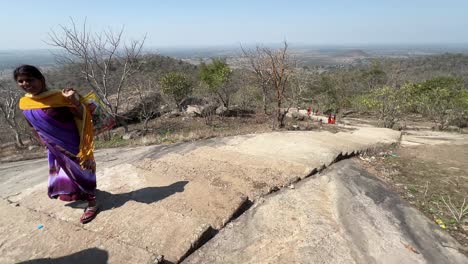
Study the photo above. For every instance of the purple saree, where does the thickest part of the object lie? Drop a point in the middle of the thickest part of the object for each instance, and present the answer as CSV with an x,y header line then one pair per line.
x,y
66,178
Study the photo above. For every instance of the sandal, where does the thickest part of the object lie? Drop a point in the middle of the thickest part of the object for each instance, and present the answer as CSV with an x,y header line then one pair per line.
x,y
89,214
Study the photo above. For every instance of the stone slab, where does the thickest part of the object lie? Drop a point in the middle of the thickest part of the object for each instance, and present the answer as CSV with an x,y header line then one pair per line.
x,y
341,216
58,241
165,199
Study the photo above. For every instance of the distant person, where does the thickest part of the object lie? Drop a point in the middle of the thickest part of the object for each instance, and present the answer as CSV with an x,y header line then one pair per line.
x,y
333,119
308,111
63,124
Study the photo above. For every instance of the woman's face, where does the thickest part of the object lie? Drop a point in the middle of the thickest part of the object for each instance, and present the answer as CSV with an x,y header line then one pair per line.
x,y
30,84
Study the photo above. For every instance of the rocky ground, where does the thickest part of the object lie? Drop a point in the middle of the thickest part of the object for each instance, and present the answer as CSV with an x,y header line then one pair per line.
x,y
342,215
283,197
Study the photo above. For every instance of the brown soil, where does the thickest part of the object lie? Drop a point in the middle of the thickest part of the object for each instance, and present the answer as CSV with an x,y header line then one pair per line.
x,y
426,176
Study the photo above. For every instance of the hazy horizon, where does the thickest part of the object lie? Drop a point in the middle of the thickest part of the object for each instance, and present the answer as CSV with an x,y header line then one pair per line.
x,y
209,23
463,46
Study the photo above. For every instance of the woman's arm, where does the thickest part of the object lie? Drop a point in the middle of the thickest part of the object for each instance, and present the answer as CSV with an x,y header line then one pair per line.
x,y
74,98
77,110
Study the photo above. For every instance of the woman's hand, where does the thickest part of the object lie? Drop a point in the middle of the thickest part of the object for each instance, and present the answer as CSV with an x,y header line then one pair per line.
x,y
71,95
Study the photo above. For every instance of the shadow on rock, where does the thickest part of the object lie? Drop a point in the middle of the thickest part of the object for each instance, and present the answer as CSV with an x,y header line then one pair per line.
x,y
90,255
146,195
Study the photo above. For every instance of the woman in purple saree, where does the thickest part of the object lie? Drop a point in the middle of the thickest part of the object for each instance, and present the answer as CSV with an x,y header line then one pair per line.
x,y
62,123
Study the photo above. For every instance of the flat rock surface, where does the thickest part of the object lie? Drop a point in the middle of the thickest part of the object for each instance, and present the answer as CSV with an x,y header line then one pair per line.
x,y
343,215
28,235
428,137
162,200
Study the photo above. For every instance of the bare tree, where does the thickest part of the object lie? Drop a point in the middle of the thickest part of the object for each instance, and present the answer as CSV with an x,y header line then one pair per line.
x,y
258,63
149,101
273,69
246,93
281,66
302,83
9,97
105,61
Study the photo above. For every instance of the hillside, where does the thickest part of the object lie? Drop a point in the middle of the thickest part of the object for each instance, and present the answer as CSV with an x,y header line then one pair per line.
x,y
420,68
153,64
9,59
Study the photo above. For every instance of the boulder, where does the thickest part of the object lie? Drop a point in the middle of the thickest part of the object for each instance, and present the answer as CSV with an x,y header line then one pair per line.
x,y
194,110
209,110
221,110
172,114
292,111
132,134
193,101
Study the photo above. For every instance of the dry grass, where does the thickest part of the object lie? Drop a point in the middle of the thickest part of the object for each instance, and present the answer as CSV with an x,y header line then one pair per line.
x,y
181,129
431,178
177,129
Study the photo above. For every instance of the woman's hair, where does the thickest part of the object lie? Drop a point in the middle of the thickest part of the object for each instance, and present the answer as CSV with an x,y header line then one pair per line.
x,y
29,71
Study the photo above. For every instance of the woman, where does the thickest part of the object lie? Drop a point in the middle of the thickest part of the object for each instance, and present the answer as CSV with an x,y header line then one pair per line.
x,y
63,124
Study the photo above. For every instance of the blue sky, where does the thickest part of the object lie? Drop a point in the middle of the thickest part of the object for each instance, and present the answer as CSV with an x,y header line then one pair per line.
x,y
25,24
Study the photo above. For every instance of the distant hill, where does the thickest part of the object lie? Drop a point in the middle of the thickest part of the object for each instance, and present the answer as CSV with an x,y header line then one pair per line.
x,y
10,59
307,55
421,68
153,65
354,53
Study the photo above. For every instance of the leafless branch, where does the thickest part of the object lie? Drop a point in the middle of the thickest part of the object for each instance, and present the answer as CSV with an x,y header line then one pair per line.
x,y
9,97
105,61
457,214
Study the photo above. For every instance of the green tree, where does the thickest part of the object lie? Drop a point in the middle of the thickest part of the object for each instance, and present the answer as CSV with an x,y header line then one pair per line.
x,y
332,92
374,77
461,109
389,102
442,99
177,86
216,76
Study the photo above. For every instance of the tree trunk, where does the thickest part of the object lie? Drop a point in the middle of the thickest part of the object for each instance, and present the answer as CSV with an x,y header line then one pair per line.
x,y
19,142
145,125
123,122
280,116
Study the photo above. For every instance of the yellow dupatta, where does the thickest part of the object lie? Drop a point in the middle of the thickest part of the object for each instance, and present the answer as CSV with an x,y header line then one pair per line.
x,y
53,98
